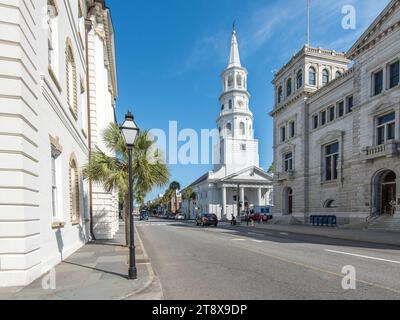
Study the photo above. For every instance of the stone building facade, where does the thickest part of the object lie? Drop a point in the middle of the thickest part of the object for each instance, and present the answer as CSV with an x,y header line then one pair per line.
x,y
49,71
337,129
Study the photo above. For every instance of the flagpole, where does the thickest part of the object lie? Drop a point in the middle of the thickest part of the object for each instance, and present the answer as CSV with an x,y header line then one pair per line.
x,y
308,22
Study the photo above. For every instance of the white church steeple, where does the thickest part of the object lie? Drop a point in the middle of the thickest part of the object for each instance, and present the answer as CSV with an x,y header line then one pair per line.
x,y
234,57
238,149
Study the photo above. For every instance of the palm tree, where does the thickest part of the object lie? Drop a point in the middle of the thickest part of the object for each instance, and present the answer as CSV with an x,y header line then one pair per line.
x,y
112,172
175,186
188,195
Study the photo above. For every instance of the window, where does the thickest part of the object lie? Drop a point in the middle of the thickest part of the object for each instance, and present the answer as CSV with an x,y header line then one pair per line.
x,y
71,80
242,128
312,79
222,107
323,117
81,21
340,107
338,74
52,37
74,191
239,80
385,129
315,121
243,147
292,129
229,128
331,116
288,162
325,77
299,79
230,81
378,82
83,107
55,154
394,74
331,161
280,94
283,133
289,87
350,104
230,104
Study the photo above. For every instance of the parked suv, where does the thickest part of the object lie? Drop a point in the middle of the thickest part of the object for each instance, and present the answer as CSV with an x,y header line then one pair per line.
x,y
206,219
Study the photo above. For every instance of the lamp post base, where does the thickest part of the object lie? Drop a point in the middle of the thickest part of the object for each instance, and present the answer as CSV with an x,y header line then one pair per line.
x,y
132,273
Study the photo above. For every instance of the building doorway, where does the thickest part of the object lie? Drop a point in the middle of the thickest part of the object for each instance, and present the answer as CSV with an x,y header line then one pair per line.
x,y
288,201
384,193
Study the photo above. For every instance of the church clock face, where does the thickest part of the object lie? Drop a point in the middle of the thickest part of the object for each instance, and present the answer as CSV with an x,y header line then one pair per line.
x,y
241,103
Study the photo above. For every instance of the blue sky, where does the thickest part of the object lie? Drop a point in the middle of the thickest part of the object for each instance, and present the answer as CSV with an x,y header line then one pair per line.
x,y
170,54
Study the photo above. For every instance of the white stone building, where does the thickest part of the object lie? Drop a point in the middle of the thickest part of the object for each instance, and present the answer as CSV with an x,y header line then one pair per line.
x,y
57,92
337,129
237,177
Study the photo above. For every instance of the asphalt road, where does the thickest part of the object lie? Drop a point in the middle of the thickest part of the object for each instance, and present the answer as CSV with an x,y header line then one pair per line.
x,y
198,263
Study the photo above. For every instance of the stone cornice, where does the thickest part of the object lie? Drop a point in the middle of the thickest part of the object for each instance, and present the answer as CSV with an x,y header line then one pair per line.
x,y
289,102
306,50
369,38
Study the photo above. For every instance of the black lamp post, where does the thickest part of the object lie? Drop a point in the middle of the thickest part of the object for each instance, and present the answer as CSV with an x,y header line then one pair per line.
x,y
130,132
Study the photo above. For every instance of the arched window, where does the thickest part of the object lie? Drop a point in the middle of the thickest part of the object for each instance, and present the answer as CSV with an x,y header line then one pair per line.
x,y
338,74
242,128
289,87
223,107
71,79
229,128
74,191
280,94
239,80
230,81
329,204
230,104
52,38
325,77
312,76
299,79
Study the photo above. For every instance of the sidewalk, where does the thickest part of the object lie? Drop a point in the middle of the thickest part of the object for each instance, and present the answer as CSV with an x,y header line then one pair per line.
x,y
364,235
98,271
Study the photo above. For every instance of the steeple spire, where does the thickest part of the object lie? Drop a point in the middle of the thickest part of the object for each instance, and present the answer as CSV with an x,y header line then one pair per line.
x,y
234,57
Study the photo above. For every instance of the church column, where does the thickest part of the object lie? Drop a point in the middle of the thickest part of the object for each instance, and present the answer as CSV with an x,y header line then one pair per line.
x,y
242,197
259,197
224,213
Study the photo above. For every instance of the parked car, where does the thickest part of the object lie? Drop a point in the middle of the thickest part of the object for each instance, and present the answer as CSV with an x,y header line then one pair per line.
x,y
207,219
180,216
144,215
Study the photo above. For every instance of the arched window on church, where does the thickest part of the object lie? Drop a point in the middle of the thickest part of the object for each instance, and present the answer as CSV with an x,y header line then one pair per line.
x,y
230,104
239,80
229,128
338,74
230,81
242,128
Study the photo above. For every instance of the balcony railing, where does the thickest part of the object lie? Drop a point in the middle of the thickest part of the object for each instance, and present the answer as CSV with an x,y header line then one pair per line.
x,y
281,176
390,149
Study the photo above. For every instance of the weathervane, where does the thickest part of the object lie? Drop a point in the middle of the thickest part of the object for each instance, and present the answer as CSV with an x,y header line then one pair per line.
x,y
234,25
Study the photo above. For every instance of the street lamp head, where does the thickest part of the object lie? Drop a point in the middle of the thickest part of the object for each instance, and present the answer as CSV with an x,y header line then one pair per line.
x,y
129,130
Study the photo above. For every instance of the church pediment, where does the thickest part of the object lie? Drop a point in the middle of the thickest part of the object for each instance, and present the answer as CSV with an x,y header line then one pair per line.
x,y
250,174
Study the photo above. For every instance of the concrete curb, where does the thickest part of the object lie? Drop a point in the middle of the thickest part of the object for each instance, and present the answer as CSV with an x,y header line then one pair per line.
x,y
153,279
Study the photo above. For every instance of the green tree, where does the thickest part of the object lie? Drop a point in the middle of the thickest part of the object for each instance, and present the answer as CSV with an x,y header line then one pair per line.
x,y
272,168
175,186
112,172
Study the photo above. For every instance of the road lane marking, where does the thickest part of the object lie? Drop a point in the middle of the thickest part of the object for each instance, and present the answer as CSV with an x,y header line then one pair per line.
x,y
309,267
255,234
361,256
238,239
284,234
258,241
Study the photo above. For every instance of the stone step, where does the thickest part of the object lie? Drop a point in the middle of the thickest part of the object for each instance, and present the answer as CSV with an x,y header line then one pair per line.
x,y
387,223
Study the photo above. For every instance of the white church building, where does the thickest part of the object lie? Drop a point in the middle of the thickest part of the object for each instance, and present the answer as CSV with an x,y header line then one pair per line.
x,y
237,179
